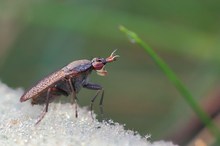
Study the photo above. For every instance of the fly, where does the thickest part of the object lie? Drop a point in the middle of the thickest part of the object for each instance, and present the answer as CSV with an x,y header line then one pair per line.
x,y
68,81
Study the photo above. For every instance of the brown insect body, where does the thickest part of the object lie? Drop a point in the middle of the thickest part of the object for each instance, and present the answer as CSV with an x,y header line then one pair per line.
x,y
66,81
77,71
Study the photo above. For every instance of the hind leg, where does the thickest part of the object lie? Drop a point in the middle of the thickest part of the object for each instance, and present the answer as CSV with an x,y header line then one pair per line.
x,y
45,110
52,94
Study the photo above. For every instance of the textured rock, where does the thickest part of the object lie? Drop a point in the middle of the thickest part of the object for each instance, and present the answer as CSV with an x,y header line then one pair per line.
x,y
59,127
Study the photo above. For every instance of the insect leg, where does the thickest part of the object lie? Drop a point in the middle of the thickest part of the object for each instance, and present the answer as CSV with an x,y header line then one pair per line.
x,y
101,103
45,110
92,101
74,98
99,89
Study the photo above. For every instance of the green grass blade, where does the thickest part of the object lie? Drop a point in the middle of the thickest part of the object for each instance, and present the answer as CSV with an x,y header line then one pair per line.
x,y
176,82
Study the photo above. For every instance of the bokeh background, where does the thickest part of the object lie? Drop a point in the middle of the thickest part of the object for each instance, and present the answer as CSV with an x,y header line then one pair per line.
x,y
38,37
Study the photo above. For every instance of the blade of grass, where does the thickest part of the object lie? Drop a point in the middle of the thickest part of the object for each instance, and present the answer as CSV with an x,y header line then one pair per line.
x,y
176,82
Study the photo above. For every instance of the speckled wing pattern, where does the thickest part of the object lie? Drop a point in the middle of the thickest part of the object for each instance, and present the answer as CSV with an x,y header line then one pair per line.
x,y
43,85
70,70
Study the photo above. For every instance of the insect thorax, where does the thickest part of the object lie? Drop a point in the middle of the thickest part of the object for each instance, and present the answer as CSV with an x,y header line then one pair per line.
x,y
78,66
80,80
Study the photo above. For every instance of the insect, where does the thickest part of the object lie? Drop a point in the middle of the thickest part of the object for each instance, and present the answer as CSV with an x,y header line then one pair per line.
x,y
68,81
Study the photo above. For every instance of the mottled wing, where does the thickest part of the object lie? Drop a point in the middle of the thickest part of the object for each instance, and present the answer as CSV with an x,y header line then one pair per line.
x,y
43,85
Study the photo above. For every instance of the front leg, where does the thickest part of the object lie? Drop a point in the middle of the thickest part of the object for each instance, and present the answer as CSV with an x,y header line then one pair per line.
x,y
99,89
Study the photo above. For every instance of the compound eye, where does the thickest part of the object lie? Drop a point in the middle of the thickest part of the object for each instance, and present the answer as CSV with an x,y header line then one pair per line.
x,y
99,60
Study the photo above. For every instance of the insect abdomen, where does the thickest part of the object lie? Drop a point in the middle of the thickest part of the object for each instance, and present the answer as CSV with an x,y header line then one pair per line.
x,y
55,92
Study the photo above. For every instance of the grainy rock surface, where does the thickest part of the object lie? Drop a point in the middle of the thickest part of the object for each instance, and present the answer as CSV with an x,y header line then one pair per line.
x,y
59,127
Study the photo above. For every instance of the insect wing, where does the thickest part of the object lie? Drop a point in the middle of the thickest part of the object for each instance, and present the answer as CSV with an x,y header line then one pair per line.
x,y
43,85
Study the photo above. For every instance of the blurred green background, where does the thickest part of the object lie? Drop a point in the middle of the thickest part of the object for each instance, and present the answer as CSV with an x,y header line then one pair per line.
x,y
38,37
